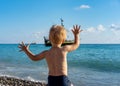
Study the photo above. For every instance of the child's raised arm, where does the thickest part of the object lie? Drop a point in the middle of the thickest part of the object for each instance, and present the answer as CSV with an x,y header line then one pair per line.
x,y
33,57
76,31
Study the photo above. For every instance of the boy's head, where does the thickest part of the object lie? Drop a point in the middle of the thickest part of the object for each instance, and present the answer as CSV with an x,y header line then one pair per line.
x,y
57,34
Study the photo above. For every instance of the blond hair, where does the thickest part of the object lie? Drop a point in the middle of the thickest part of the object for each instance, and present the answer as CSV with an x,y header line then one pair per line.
x,y
57,34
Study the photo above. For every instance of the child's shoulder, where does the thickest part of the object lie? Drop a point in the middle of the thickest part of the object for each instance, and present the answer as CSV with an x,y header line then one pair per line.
x,y
67,48
64,48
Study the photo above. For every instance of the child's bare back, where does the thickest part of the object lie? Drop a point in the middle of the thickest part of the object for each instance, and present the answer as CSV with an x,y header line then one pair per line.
x,y
57,61
56,56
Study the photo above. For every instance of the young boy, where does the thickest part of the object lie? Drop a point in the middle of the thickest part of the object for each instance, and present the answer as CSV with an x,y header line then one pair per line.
x,y
56,56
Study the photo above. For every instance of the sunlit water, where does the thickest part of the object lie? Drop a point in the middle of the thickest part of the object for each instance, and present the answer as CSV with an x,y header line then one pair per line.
x,y
89,65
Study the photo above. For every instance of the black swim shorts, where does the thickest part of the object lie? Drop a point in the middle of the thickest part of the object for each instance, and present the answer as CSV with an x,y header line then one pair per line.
x,y
59,81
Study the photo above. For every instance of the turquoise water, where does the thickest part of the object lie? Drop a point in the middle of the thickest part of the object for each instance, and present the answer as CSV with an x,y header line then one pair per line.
x,y
89,65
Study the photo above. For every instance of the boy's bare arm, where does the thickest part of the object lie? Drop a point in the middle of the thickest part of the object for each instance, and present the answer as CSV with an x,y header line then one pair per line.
x,y
32,56
76,31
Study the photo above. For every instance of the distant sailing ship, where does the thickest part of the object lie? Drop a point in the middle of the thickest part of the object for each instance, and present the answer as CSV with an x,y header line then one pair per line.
x,y
67,42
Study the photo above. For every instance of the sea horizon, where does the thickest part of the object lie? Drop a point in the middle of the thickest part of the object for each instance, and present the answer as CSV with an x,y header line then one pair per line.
x,y
80,44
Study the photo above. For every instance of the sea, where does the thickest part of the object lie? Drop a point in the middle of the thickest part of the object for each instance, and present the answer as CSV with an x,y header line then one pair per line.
x,y
89,65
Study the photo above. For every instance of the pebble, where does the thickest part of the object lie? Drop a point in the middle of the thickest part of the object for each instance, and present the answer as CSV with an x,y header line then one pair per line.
x,y
11,81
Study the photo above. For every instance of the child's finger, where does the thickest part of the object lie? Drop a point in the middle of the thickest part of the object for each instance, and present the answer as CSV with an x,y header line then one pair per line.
x,y
20,50
72,30
19,44
76,26
23,43
28,45
79,26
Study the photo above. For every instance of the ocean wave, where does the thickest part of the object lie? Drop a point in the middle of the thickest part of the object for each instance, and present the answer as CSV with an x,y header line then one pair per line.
x,y
98,65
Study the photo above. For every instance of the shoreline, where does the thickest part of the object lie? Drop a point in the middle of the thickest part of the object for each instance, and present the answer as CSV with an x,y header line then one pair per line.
x,y
13,81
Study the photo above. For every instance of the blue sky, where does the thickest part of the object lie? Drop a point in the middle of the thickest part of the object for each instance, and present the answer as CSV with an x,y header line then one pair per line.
x,y
30,20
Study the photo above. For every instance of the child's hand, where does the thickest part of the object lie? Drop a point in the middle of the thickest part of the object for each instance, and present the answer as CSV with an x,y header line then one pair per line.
x,y
76,30
23,47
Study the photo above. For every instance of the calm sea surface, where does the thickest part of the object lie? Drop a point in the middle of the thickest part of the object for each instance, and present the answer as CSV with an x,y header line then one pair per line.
x,y
89,65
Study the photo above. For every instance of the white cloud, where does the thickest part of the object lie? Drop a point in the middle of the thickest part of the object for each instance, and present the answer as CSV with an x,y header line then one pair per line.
x,y
91,29
39,36
100,28
101,34
115,27
112,26
83,7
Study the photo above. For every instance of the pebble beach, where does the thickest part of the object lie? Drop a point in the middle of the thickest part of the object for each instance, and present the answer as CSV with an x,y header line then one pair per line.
x,y
12,81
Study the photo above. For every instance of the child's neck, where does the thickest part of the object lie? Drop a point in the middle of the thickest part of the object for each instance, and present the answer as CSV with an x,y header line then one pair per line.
x,y
56,45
